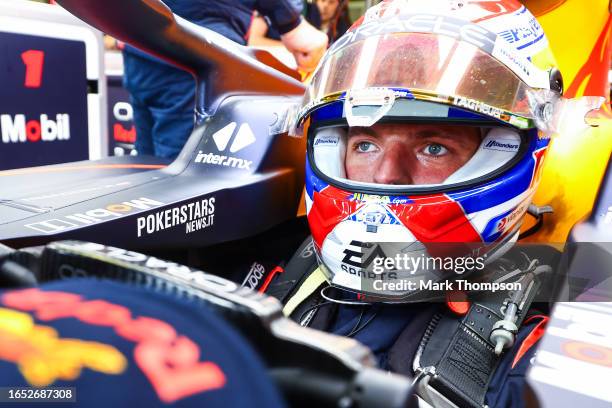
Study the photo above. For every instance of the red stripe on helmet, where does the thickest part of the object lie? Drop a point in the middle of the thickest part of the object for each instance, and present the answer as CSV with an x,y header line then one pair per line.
x,y
436,218
330,207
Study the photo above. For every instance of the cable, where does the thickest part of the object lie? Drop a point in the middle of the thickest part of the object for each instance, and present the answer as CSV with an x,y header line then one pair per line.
x,y
308,310
354,332
354,329
357,327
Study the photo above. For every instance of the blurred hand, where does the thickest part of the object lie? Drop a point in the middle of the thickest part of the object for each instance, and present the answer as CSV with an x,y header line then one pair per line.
x,y
307,44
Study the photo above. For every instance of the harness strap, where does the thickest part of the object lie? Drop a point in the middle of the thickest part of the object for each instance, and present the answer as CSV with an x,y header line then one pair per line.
x,y
457,354
285,284
468,361
307,288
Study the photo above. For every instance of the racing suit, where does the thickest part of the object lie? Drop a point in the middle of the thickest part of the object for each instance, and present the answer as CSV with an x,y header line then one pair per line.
x,y
163,96
396,333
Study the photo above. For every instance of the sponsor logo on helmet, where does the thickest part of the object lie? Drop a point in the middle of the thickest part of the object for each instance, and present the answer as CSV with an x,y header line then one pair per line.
x,y
373,216
508,221
422,23
158,344
370,197
43,357
17,130
502,145
379,198
111,211
329,141
521,66
359,260
524,34
514,60
477,106
519,122
400,200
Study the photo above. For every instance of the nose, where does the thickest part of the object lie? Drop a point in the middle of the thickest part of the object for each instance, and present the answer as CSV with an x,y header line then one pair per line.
x,y
392,168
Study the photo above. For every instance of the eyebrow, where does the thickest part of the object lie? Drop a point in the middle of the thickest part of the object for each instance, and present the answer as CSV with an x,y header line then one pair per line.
x,y
437,133
362,129
422,134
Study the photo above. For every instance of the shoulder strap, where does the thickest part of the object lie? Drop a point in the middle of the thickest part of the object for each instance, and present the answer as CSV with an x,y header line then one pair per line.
x,y
306,289
297,288
456,358
462,363
457,353
299,267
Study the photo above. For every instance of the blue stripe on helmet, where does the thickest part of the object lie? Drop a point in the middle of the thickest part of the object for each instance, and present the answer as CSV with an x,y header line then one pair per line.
x,y
330,111
464,114
313,183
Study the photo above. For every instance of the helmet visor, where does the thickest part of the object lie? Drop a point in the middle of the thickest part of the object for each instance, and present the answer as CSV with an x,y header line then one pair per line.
x,y
434,67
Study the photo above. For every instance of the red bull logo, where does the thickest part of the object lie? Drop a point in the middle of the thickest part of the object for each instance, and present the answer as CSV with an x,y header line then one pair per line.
x,y
123,112
169,360
43,357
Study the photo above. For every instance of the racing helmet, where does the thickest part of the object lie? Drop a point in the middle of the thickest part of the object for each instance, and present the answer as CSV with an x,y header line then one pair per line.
x,y
477,73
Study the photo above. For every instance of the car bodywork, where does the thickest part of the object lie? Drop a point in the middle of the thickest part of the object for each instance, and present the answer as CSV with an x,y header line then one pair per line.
x,y
238,168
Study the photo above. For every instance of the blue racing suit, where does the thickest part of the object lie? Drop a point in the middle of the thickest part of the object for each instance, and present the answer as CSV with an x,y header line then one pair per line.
x,y
386,329
163,96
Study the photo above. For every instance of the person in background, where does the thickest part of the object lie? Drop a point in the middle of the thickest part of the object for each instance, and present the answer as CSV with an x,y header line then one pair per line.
x,y
163,96
262,33
329,16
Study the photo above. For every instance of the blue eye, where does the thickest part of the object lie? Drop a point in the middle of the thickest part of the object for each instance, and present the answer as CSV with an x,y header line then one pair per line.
x,y
435,149
365,147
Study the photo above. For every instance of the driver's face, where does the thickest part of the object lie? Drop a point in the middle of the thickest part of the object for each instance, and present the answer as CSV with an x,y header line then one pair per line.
x,y
407,153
